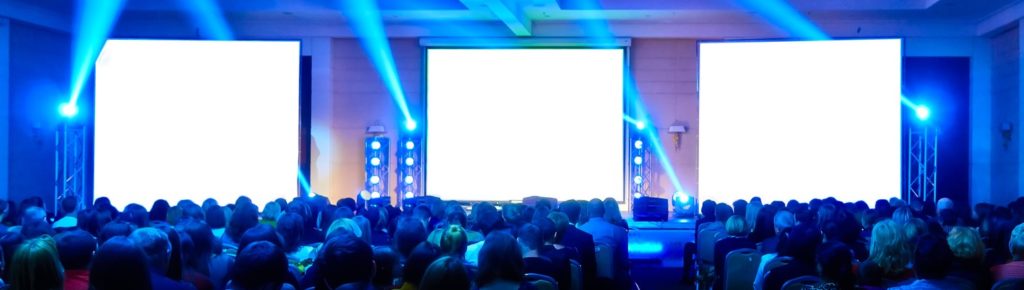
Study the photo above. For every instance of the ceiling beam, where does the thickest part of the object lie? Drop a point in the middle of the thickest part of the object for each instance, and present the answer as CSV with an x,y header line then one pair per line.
x,y
28,13
1004,17
509,12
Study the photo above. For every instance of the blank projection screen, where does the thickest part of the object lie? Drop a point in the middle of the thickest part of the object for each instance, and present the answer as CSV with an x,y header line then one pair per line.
x,y
504,124
800,120
196,119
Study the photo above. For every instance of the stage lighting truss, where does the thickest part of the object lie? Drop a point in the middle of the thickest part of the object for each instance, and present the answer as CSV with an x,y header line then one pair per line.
x,y
639,161
376,164
408,167
70,173
923,163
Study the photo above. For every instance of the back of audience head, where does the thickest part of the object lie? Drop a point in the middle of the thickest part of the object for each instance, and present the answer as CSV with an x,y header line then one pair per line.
x,y
364,228
260,265
560,223
447,273
500,260
835,264
932,257
722,212
243,218
201,244
261,232
68,205
966,244
1017,243
156,245
36,265
487,217
345,259
454,241
740,207
75,249
409,233
889,247
595,208
215,217
571,210
114,229
119,265
707,208
611,211
530,238
801,238
34,223
289,226
419,259
136,215
158,212
736,226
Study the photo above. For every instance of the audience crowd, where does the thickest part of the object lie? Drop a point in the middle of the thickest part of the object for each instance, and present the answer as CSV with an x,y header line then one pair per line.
x,y
309,243
830,244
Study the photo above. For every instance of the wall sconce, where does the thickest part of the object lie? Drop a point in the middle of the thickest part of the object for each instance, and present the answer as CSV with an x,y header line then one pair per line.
x,y
677,130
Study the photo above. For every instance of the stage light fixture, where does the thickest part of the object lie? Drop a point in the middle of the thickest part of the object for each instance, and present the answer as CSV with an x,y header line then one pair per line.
x,y
408,180
409,145
409,161
374,161
364,194
640,125
410,125
375,195
68,110
638,160
637,195
375,145
408,194
638,179
638,144
922,112
374,179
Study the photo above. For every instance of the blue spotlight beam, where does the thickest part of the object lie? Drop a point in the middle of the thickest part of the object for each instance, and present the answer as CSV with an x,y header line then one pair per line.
x,y
640,117
785,17
208,15
304,182
93,22
364,18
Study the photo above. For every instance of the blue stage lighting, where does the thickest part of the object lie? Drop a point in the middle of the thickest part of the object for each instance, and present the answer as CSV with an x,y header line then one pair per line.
x,y
375,194
408,180
783,16
681,198
92,25
638,144
408,194
374,179
374,161
638,179
409,145
304,182
410,125
637,195
409,161
68,110
375,145
640,125
638,160
364,194
210,18
645,248
922,112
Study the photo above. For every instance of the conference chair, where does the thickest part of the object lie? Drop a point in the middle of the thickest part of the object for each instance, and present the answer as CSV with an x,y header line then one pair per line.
x,y
706,245
575,275
800,283
540,281
740,268
605,261
1009,284
775,263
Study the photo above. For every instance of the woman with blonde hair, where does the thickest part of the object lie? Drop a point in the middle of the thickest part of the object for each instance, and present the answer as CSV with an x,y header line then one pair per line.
x,y
889,256
36,266
968,256
454,241
612,214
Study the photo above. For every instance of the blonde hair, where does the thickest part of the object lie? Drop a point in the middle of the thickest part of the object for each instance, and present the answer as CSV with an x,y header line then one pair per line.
x,y
966,243
1017,242
889,247
346,225
736,226
36,265
454,241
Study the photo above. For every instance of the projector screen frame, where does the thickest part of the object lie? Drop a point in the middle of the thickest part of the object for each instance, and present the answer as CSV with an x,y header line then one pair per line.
x,y
443,43
698,200
86,118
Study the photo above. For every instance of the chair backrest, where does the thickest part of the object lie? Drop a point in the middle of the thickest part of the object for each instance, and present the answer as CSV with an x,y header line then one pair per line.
x,y
800,283
542,282
605,256
575,275
1009,284
706,244
740,268
775,263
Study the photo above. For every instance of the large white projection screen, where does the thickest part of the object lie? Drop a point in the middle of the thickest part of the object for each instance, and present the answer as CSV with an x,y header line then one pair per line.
x,y
800,120
504,124
196,119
